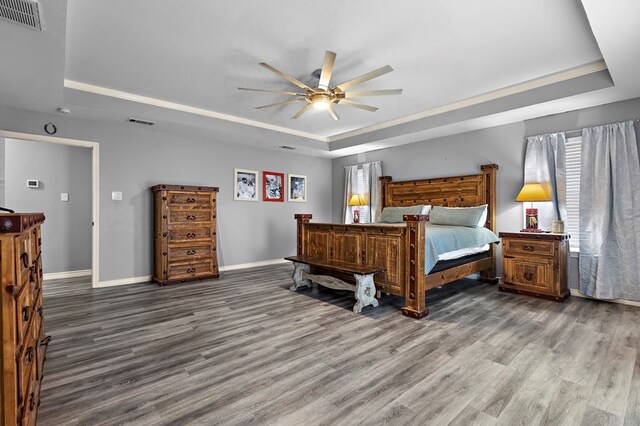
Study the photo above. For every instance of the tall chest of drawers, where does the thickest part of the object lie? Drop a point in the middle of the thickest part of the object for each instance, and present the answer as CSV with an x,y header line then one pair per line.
x,y
24,343
184,233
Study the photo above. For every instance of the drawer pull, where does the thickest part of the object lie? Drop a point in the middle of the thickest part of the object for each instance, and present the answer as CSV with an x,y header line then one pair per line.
x,y
28,357
32,401
191,252
191,235
191,200
191,217
191,270
528,248
25,313
45,341
509,257
24,258
40,311
528,276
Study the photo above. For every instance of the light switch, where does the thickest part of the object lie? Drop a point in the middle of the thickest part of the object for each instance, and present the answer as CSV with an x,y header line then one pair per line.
x,y
64,196
116,196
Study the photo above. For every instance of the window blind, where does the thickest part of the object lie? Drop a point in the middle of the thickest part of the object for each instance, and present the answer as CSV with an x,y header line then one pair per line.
x,y
573,146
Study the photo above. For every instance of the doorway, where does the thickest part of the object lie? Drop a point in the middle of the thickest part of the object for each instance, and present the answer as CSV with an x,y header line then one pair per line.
x,y
95,175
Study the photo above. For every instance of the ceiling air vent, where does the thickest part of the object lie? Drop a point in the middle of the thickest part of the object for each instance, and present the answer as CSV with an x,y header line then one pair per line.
x,y
139,121
21,12
286,147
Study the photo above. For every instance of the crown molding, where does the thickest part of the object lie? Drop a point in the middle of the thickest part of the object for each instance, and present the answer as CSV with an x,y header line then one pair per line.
x,y
569,74
119,94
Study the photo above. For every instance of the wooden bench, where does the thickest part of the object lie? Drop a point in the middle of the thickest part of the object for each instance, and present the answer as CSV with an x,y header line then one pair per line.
x,y
365,289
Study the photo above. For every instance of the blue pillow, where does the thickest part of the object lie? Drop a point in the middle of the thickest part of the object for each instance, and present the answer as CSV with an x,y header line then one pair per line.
x,y
394,214
457,216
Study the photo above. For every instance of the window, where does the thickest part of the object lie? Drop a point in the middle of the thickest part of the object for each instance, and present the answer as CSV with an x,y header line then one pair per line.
x,y
573,146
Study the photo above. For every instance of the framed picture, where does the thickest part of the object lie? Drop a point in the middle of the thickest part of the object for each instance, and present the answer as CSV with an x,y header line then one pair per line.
x,y
245,185
272,186
297,188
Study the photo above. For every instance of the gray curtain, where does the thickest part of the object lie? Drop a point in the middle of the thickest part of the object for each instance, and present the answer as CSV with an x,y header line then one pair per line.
x,y
545,162
371,173
610,212
350,187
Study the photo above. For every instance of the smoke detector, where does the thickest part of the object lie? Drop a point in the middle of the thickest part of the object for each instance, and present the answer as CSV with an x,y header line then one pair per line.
x,y
22,12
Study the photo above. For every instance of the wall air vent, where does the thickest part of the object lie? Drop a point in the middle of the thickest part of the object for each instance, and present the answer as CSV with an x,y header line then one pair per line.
x,y
21,12
286,147
139,121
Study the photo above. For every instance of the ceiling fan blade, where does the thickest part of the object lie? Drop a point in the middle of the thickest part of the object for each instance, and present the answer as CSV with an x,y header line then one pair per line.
x,y
365,77
332,112
373,93
286,76
280,103
327,69
358,105
302,111
280,92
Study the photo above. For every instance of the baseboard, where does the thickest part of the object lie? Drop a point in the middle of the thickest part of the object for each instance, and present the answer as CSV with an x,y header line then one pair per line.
x,y
252,265
147,278
577,293
66,274
124,281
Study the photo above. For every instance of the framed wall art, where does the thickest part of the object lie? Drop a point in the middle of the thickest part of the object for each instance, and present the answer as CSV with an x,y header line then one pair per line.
x,y
245,185
297,188
273,186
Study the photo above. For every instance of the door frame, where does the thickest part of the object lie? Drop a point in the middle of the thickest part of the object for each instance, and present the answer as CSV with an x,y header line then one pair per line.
x,y
95,188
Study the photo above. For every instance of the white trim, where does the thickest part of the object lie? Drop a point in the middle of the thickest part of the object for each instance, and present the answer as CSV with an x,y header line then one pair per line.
x,y
147,278
251,265
95,188
537,83
118,94
577,293
124,281
66,274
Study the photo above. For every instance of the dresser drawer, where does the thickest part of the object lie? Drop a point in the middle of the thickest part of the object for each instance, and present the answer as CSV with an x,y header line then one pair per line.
x,y
191,234
179,271
179,199
191,252
528,247
31,400
24,312
188,217
26,366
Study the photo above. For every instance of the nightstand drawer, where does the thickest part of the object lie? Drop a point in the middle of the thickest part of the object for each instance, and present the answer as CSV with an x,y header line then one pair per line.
x,y
527,247
529,274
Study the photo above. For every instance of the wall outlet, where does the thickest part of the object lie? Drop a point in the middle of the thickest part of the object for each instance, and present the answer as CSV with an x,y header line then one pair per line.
x,y
64,196
116,196
33,183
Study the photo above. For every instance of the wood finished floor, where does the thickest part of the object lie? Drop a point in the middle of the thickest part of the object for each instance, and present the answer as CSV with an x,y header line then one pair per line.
x,y
243,349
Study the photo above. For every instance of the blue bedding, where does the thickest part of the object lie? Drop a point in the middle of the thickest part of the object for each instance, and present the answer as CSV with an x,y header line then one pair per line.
x,y
445,238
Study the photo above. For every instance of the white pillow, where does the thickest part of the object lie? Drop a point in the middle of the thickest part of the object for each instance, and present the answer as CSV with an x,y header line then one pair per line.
x,y
426,209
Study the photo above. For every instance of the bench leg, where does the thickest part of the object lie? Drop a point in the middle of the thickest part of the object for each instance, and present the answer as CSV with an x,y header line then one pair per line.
x,y
298,279
365,292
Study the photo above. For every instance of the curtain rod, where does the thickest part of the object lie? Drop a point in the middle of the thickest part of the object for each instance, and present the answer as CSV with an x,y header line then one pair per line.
x,y
578,132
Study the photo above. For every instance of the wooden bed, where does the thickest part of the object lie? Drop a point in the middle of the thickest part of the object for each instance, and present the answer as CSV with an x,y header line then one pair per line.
x,y
400,249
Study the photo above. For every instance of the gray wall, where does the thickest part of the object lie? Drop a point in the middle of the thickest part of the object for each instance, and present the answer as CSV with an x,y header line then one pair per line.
x,y
66,234
2,172
464,153
134,157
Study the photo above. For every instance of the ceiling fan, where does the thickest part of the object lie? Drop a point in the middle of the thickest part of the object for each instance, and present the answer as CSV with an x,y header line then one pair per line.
x,y
323,96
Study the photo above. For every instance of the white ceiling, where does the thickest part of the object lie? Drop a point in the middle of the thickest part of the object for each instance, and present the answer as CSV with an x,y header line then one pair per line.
x,y
462,65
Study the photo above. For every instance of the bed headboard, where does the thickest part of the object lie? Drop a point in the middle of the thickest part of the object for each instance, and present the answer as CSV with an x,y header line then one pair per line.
x,y
449,191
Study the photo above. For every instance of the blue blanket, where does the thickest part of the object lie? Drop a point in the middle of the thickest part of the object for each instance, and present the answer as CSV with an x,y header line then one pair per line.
x,y
444,238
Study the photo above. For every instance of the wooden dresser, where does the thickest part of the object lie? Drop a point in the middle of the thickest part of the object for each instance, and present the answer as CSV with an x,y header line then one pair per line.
x,y
184,233
535,264
23,341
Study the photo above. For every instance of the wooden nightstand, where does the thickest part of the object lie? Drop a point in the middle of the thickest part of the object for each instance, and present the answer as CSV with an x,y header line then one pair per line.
x,y
535,264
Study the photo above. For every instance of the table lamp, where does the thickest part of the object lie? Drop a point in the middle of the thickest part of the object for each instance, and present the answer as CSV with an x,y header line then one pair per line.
x,y
357,200
532,192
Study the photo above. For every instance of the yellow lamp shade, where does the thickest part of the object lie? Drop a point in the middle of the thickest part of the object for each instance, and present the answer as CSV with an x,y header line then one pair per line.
x,y
358,200
534,192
